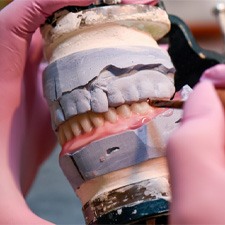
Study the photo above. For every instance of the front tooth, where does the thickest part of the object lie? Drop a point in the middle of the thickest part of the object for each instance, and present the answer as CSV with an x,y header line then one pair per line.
x,y
85,122
136,108
145,107
67,131
111,115
61,136
124,111
77,130
96,119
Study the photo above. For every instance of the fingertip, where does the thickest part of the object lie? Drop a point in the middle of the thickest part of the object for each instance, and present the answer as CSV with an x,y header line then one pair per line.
x,y
36,48
215,74
201,132
203,101
202,123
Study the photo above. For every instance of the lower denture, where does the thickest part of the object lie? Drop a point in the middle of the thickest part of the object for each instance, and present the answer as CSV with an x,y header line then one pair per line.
x,y
120,124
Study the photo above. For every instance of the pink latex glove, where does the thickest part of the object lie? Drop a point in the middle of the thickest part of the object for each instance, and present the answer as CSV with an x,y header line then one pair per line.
x,y
196,156
26,137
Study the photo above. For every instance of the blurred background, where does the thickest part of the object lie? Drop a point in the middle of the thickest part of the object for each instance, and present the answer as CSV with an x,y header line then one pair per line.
x,y
51,196
199,16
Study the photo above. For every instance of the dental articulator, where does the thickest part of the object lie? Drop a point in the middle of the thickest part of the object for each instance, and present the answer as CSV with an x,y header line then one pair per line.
x,y
115,96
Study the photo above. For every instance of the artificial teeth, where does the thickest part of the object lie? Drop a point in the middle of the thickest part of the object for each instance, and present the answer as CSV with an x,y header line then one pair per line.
x,y
76,128
85,122
67,131
61,136
124,111
145,107
111,115
96,119
136,108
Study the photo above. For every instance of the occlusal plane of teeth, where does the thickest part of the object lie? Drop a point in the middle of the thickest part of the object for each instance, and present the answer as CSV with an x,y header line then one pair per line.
x,y
124,111
110,91
111,115
96,119
86,122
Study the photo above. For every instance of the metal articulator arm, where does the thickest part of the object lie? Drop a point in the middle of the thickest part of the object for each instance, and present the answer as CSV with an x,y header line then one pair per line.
x,y
189,59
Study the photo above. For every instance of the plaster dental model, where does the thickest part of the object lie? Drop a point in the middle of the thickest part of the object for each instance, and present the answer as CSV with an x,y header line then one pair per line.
x,y
104,63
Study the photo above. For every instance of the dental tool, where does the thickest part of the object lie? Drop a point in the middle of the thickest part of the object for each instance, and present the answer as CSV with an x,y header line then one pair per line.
x,y
175,104
179,104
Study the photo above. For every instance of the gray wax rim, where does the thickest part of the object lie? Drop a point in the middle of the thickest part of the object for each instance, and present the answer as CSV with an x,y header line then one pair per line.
x,y
112,153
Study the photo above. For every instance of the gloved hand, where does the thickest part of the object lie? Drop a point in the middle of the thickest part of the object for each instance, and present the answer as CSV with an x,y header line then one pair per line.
x,y
196,155
26,137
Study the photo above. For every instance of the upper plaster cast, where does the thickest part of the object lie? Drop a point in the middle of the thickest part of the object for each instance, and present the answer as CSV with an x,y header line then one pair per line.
x,y
64,26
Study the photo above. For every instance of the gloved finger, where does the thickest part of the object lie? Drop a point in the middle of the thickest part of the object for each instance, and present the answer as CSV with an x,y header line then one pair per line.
x,y
18,22
203,112
29,15
35,53
14,210
196,160
216,75
198,144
